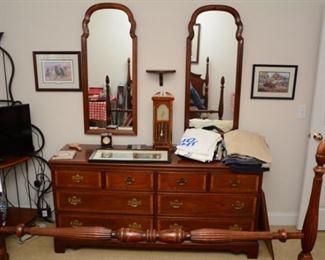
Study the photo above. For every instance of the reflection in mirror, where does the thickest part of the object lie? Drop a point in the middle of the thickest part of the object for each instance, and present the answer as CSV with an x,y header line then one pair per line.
x,y
109,70
213,68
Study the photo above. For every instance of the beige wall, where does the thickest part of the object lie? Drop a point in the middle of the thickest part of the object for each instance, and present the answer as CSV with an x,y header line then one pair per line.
x,y
275,32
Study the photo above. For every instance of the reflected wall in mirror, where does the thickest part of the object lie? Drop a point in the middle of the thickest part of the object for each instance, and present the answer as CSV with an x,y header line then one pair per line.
x,y
213,83
109,70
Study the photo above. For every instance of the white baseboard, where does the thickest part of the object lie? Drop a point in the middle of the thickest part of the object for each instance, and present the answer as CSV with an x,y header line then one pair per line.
x,y
283,218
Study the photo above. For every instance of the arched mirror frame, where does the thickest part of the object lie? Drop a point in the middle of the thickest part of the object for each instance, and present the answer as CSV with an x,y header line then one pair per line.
x,y
240,46
84,64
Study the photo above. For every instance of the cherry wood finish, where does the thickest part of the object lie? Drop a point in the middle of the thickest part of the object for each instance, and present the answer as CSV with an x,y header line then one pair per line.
x,y
175,237
131,79
240,47
180,194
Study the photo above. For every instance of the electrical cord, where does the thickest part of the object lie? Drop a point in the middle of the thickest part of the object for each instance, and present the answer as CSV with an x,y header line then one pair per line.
x,y
42,185
41,135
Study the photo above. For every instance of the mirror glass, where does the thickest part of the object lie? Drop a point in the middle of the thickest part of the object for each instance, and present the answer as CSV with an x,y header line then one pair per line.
x,y
109,70
213,68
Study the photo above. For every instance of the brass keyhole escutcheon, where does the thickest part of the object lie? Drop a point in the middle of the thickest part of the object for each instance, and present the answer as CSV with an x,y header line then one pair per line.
x,y
134,203
77,178
176,204
135,225
235,227
238,205
181,182
129,180
234,183
175,226
75,223
74,200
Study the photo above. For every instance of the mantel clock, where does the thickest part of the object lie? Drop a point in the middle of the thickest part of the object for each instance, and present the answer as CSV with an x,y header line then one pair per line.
x,y
162,120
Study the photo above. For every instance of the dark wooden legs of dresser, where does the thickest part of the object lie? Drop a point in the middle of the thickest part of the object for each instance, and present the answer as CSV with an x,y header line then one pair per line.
x,y
3,249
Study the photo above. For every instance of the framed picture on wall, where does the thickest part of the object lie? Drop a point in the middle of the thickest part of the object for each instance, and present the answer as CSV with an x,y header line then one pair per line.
x,y
196,43
274,81
57,71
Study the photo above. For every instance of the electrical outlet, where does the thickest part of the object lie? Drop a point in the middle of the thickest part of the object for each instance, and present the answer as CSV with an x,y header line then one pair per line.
x,y
301,111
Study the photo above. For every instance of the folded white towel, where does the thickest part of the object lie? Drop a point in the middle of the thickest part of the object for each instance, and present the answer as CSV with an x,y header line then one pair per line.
x,y
198,144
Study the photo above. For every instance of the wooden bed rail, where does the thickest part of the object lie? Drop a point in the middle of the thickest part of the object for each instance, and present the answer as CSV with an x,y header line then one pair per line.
x,y
201,236
308,234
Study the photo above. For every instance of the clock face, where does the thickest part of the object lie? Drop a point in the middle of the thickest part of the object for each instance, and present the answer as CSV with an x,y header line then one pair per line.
x,y
162,113
106,140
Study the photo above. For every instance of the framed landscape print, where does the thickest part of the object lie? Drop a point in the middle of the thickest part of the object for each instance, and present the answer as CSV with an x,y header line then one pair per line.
x,y
57,71
274,81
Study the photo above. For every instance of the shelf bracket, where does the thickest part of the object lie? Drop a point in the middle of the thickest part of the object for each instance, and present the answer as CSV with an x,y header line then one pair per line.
x,y
161,73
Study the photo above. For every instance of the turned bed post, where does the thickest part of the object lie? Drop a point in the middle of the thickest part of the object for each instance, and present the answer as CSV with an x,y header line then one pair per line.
x,y
311,219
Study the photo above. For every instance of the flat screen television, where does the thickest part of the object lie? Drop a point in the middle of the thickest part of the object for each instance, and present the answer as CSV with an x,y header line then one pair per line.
x,y
16,138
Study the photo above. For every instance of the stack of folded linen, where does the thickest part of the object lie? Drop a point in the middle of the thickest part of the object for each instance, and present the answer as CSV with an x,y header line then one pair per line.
x,y
223,126
198,144
246,151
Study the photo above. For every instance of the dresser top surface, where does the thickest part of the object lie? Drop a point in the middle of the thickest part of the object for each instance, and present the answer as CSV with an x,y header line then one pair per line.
x,y
82,158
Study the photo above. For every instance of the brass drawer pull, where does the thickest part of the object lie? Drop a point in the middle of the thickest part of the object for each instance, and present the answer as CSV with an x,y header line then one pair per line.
x,y
175,226
234,183
235,227
74,200
129,180
75,223
238,205
181,182
134,203
135,225
77,178
176,204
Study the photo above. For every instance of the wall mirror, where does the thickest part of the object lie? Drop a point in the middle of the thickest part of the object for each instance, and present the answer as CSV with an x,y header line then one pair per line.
x,y
109,70
214,54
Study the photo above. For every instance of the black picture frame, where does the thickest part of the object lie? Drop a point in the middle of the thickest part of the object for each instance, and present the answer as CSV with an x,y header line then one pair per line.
x,y
274,81
57,71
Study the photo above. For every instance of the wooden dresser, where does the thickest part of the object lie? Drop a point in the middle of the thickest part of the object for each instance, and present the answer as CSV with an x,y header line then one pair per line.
x,y
182,193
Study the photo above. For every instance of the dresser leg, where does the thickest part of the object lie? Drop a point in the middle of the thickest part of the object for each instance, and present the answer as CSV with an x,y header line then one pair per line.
x,y
3,249
59,247
252,251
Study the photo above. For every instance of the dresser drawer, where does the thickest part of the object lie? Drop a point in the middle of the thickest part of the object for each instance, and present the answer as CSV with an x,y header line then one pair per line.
x,y
240,183
129,180
110,202
206,205
189,224
182,181
110,221
77,179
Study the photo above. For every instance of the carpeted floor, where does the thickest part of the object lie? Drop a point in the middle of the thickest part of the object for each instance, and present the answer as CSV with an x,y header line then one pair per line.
x,y
40,248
